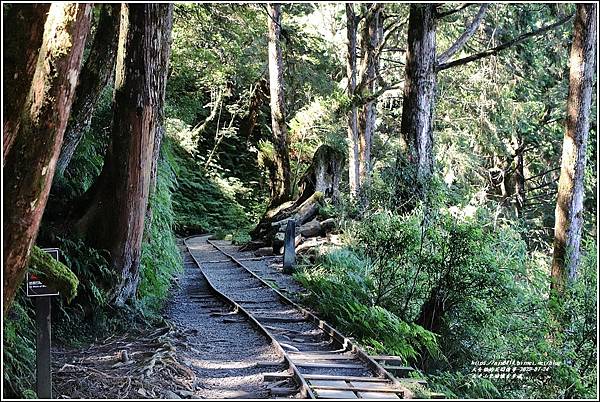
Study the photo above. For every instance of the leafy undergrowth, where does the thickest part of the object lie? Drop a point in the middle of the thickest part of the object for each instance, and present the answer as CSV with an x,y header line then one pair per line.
x,y
19,349
203,203
161,259
342,290
394,267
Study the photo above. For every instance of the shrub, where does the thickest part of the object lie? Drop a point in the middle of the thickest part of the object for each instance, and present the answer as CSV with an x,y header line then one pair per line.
x,y
342,290
160,258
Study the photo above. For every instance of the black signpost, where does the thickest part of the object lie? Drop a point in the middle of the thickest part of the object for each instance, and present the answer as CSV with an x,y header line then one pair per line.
x,y
42,293
289,250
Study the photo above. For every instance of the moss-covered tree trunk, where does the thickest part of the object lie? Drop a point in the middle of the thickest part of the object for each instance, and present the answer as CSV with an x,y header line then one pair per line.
x,y
281,177
569,204
32,159
95,74
21,37
114,219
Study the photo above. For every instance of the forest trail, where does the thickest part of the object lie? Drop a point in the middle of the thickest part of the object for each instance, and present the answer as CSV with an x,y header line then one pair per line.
x,y
206,348
226,347
320,360
206,351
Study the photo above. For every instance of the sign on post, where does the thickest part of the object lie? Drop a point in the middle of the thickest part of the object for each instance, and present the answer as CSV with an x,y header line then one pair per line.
x,y
42,293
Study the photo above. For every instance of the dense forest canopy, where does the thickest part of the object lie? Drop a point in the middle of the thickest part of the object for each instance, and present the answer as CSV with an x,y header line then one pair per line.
x,y
445,154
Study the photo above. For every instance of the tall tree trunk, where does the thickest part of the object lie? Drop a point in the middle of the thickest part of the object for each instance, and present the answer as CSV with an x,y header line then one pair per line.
x,y
353,169
258,98
519,175
366,115
163,73
32,159
22,38
115,217
281,186
419,90
95,74
569,204
361,117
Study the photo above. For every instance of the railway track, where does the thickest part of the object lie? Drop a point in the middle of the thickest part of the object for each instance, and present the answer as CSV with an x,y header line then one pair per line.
x,y
321,361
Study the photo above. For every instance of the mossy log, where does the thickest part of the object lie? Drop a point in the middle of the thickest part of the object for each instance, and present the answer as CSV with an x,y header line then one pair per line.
x,y
53,273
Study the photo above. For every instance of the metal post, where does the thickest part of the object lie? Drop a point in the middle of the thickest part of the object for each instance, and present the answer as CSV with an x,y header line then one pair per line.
x,y
289,247
42,355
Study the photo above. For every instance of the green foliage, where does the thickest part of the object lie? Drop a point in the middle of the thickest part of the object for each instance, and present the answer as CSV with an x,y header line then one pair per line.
x,y
18,341
460,386
342,289
88,157
92,269
577,333
160,259
202,203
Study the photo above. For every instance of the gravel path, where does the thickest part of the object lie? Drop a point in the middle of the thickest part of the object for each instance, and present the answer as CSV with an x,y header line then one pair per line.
x,y
226,347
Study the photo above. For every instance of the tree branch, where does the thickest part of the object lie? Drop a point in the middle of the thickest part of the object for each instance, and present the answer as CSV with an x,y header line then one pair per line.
x,y
466,35
497,49
362,100
388,31
450,12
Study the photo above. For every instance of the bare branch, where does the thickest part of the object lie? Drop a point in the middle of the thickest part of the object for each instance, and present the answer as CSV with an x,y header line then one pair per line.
x,y
466,35
388,31
453,11
361,100
497,49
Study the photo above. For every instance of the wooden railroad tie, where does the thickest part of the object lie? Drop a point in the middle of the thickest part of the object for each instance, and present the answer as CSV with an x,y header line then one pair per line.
x,y
330,365
357,389
345,378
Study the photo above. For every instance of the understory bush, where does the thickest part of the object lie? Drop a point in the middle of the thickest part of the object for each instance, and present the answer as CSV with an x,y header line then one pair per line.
x,y
445,287
203,203
343,291
160,259
18,337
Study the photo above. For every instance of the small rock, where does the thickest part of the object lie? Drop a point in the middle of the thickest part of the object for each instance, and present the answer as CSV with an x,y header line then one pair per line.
x,y
335,240
170,395
278,240
328,225
310,229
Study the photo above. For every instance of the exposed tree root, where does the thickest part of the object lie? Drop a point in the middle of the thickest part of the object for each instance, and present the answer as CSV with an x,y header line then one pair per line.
x,y
145,366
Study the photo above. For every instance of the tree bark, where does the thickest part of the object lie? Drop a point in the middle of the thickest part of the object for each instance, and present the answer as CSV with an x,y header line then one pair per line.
x,y
419,90
30,165
259,97
569,204
163,73
95,74
519,176
22,38
370,38
281,179
353,169
115,218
